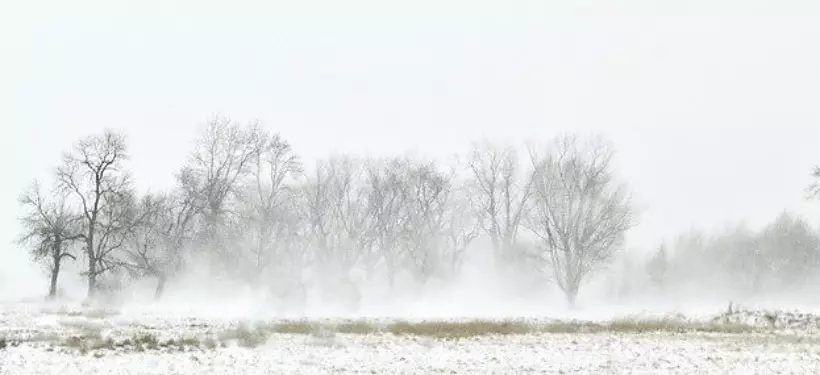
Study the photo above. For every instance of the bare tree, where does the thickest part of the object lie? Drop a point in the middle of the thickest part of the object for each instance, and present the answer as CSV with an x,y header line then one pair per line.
x,y
223,156
92,173
462,226
502,194
159,236
428,190
338,212
267,199
389,208
220,164
336,226
50,228
143,253
316,196
581,213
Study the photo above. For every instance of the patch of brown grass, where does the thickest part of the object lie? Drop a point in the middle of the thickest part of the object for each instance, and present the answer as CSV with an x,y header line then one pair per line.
x,y
474,328
89,339
458,330
637,326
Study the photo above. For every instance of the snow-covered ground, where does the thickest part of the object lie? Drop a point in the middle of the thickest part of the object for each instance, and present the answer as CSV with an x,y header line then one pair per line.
x,y
785,343
565,353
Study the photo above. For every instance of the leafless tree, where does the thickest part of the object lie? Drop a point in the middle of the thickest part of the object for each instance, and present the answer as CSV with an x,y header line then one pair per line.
x,y
315,194
462,227
429,191
292,253
267,199
176,225
581,213
338,212
161,232
146,250
502,194
221,164
93,174
223,156
335,227
50,229
389,208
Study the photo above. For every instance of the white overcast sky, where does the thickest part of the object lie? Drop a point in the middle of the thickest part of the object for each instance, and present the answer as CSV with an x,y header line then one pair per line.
x,y
713,105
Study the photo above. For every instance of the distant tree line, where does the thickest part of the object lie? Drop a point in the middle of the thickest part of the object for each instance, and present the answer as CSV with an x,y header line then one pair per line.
x,y
781,257
245,205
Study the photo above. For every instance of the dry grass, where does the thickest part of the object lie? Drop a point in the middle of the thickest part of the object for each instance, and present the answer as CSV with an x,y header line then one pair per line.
x,y
88,338
647,326
476,328
458,330
138,342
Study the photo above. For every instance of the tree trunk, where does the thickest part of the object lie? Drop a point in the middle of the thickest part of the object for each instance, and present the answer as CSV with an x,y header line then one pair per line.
x,y
55,272
57,254
92,276
571,293
161,279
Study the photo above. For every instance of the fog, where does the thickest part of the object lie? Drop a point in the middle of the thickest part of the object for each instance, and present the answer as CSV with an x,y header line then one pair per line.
x,y
710,108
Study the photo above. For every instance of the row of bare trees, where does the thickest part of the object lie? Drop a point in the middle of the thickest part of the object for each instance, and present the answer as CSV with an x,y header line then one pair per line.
x,y
245,205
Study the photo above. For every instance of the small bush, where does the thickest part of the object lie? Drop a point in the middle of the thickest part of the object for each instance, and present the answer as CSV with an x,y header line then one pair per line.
x,y
246,336
146,341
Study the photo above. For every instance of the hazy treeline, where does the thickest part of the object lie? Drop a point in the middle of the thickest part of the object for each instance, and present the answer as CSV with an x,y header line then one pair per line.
x,y
245,207
782,257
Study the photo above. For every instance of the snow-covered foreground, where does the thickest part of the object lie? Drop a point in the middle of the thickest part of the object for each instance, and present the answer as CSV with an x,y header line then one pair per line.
x,y
565,353
39,341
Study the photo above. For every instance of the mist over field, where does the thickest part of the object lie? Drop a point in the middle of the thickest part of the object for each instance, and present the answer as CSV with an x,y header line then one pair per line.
x,y
310,186
249,231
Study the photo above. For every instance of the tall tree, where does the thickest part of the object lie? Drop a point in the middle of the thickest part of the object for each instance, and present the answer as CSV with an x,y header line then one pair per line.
x,y
93,174
165,227
160,233
223,156
266,200
462,227
502,196
220,164
581,213
389,209
429,192
339,218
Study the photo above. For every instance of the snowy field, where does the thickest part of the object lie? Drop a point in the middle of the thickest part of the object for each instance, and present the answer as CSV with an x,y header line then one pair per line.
x,y
65,339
